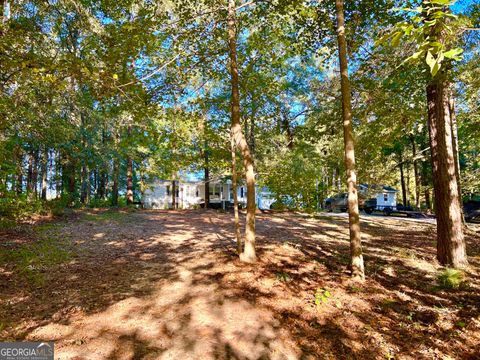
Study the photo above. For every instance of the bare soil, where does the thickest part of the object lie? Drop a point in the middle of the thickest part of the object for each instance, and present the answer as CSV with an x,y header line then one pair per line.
x,y
168,285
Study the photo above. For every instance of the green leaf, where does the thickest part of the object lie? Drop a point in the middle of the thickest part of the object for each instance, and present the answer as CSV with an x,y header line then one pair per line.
x,y
396,38
453,54
430,60
435,69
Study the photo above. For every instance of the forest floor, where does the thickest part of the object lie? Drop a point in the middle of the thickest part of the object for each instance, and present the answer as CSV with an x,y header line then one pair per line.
x,y
168,284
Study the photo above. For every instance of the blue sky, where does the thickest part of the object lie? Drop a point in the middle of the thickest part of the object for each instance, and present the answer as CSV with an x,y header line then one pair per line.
x,y
462,5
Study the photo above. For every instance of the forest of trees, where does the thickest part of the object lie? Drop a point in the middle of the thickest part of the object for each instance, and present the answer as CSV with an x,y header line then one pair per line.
x,y
308,98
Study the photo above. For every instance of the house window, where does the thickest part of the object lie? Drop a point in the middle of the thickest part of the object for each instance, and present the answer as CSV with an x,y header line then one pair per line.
x,y
213,190
385,197
241,192
168,189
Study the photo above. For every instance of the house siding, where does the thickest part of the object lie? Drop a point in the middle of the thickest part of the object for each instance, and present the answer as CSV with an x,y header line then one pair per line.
x,y
155,197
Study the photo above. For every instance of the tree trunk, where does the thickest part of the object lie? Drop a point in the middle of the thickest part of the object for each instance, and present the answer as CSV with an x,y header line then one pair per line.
x,y
428,202
288,130
19,170
206,195
30,182
453,124
36,166
450,239
416,173
207,181
101,184
357,266
115,182
44,173
174,194
248,255
129,181
71,181
402,180
102,172
235,197
83,193
129,174
252,135
58,175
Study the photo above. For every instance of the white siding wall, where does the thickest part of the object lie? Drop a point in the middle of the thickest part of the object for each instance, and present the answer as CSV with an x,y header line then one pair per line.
x,y
390,201
155,197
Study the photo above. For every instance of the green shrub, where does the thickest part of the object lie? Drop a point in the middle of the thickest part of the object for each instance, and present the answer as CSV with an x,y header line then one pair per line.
x,y
96,203
450,278
18,207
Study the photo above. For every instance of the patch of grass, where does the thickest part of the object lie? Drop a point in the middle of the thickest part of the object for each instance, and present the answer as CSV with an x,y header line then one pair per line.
x,y
389,302
7,224
283,276
32,260
354,289
343,259
450,278
46,227
105,216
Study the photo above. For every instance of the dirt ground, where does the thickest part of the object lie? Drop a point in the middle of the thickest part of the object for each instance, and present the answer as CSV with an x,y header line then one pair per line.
x,y
168,285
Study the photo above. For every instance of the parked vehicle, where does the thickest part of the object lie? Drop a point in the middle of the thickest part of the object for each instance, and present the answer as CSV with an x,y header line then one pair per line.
x,y
380,198
471,211
339,202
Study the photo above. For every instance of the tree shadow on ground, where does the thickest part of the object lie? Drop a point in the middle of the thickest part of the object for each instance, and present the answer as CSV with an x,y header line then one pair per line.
x,y
160,284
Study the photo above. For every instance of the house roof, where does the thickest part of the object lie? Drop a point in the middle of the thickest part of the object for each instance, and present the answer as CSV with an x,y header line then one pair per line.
x,y
378,187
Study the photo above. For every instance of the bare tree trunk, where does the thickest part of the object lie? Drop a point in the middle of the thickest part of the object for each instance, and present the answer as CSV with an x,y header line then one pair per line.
x,y
252,135
357,266
30,182
71,181
235,197
402,180
19,170
450,239
416,173
44,173
101,184
248,255
174,194
36,165
89,185
129,181
58,175
115,182
206,166
428,201
83,193
453,124
129,174
207,181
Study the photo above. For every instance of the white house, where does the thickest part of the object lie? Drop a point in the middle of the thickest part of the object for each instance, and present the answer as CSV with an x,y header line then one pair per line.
x,y
190,194
385,196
